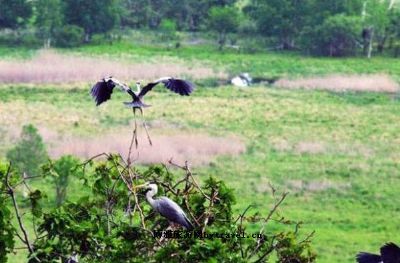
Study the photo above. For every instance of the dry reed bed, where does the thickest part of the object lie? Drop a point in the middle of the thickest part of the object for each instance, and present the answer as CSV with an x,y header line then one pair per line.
x,y
52,67
338,83
317,185
318,147
197,149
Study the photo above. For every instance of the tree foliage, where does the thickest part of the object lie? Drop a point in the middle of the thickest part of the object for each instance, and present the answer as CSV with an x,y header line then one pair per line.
x,y
337,36
276,24
6,229
223,20
69,36
14,13
280,19
96,16
29,153
60,172
112,222
49,19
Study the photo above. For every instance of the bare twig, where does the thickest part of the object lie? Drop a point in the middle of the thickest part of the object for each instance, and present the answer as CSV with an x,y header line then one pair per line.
x,y
11,192
307,238
241,229
190,174
271,248
207,213
276,205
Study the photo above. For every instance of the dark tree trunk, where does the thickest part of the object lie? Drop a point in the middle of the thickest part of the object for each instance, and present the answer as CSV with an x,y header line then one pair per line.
x,y
221,40
367,35
381,44
88,37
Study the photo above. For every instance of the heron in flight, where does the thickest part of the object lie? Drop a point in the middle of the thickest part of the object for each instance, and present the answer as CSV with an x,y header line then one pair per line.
x,y
166,207
390,253
102,90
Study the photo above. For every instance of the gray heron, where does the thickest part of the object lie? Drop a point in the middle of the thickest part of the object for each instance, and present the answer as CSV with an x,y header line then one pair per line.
x,y
166,207
103,89
390,253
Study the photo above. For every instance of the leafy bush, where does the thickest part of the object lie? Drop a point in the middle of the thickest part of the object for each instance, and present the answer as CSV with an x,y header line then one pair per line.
x,y
223,20
114,223
168,30
29,153
337,36
69,36
6,229
60,171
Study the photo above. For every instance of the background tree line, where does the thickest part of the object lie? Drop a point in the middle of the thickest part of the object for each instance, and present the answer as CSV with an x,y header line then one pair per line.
x,y
331,28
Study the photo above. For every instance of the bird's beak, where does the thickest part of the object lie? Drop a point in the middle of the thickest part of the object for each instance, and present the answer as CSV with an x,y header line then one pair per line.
x,y
141,186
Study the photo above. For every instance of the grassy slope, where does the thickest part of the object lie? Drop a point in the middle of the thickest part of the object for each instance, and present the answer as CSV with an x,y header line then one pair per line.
x,y
358,131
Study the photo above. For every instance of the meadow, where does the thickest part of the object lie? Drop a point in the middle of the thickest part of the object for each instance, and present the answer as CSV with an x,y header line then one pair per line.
x,y
336,152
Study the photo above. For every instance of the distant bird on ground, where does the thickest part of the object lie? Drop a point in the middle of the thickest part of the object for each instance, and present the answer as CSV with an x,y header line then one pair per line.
x,y
243,80
167,208
103,89
390,253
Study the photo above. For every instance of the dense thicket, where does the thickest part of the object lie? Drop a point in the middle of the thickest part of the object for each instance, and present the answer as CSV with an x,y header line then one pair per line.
x,y
112,221
333,28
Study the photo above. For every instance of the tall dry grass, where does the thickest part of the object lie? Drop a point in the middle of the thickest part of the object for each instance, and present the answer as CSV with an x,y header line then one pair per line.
x,y
374,83
52,67
197,149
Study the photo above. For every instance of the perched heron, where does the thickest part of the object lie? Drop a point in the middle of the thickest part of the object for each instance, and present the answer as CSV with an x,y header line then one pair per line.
x,y
390,253
166,207
103,89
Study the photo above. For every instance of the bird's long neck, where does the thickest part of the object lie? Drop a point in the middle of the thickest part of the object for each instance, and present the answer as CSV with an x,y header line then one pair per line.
x,y
137,88
149,197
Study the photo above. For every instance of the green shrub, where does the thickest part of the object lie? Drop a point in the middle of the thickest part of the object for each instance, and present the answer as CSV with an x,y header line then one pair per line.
x,y
337,36
113,223
29,153
60,171
6,229
167,29
69,36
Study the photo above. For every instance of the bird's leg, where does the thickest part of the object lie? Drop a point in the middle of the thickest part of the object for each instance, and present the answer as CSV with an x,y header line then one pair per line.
x,y
134,137
135,130
145,127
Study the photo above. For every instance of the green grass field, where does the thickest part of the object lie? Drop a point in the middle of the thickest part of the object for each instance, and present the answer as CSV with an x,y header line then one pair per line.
x,y
338,154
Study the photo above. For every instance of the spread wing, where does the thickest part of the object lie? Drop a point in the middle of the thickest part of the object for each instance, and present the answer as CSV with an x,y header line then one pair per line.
x,y
171,210
103,89
390,253
180,86
364,257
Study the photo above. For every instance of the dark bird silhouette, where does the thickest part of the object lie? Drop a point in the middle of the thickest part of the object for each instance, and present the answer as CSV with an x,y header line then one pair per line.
x,y
102,90
390,253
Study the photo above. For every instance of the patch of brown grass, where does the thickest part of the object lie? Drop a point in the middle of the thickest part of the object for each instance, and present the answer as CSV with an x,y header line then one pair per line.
x,y
197,149
373,83
310,147
52,67
316,185
318,147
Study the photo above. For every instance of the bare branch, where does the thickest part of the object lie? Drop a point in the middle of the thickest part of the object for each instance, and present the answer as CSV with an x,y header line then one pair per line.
x,y
11,192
